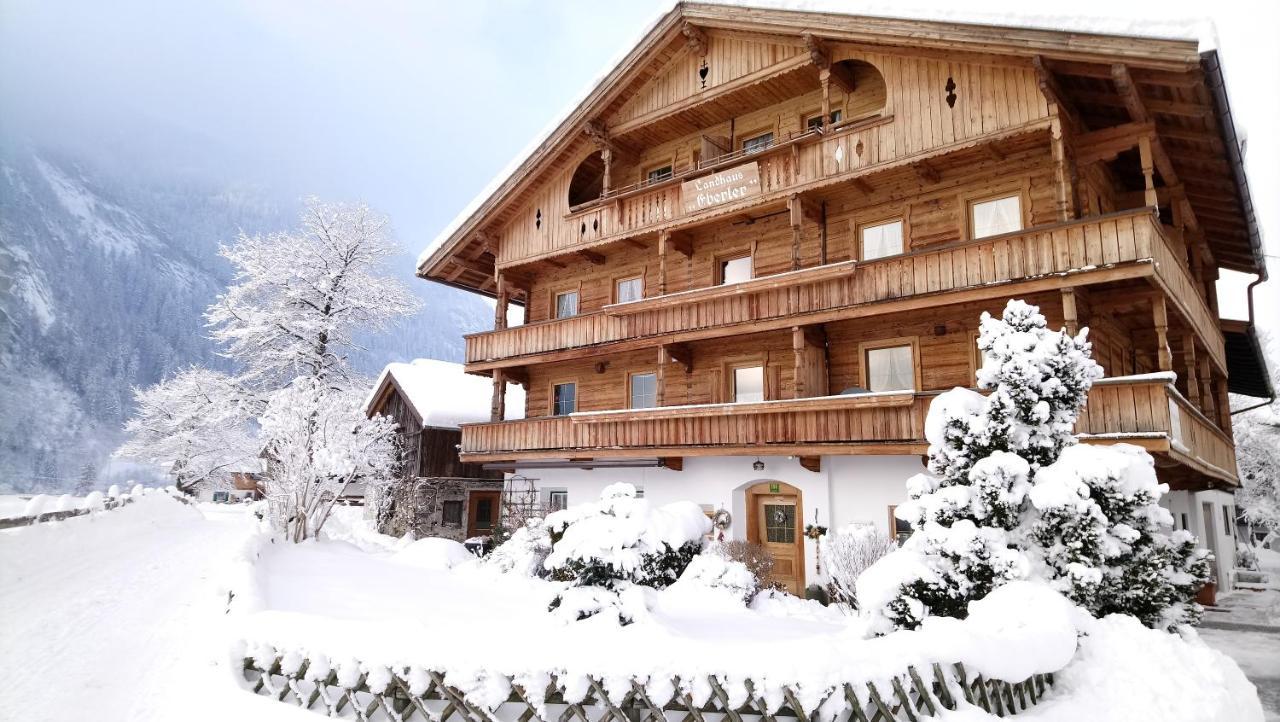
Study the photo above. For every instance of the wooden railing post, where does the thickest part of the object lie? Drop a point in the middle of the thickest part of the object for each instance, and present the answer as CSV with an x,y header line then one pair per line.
x,y
664,239
1148,171
1209,404
1070,315
1189,357
1063,193
500,305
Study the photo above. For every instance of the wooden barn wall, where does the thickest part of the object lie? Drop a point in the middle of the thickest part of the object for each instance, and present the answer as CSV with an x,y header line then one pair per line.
x,y
438,451
932,213
988,99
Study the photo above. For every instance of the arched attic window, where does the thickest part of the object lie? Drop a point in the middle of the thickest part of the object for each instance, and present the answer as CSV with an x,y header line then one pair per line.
x,y
864,86
588,180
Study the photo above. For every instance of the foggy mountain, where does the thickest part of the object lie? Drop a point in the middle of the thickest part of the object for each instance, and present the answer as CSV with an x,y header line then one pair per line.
x,y
104,276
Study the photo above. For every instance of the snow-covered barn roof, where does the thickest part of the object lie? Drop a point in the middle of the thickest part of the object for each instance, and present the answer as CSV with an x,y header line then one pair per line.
x,y
1164,44
440,393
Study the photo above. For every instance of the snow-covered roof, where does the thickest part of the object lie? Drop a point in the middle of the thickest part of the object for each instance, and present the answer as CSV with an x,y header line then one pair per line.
x,y
441,393
1125,24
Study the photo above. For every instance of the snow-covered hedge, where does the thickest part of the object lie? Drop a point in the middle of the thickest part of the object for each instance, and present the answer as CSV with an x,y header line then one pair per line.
x,y
607,547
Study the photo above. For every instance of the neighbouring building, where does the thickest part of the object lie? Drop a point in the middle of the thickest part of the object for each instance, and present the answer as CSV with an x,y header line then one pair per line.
x,y
436,494
761,215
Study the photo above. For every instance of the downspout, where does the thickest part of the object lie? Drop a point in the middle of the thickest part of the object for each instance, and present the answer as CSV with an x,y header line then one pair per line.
x,y
1270,399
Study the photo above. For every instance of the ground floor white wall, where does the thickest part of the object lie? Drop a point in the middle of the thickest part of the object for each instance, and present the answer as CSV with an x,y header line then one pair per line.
x,y
845,490
1216,530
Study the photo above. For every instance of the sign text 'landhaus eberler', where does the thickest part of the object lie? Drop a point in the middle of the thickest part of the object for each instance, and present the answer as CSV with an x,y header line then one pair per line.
x,y
721,188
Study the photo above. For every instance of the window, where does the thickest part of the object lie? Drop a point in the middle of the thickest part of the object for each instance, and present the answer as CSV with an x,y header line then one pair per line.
x,y
748,384
995,216
451,514
757,143
557,500
639,492
567,304
628,289
644,391
900,529
815,121
881,239
1185,526
1226,520
564,399
890,369
658,175
735,270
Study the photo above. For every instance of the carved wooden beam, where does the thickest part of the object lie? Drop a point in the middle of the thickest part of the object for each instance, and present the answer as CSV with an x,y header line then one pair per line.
x,y
674,463
593,256
1053,92
695,39
812,463
818,52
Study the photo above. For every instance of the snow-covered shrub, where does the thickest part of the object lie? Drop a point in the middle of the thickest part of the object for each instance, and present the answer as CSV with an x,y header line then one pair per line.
x,y
713,570
1246,557
619,542
754,556
524,552
1009,496
846,554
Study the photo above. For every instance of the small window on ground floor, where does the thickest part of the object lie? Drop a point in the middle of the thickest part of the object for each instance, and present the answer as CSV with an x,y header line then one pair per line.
x,y
900,529
451,513
890,368
557,500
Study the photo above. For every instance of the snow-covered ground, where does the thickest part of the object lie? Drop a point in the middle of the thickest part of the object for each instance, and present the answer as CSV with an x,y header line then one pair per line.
x,y
121,616
125,615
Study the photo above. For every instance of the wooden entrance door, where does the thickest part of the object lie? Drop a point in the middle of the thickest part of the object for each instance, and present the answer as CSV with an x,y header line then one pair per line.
x,y
777,525
482,512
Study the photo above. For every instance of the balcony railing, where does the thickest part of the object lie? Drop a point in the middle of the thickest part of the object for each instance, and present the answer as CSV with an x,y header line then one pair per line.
x,y
1128,244
1145,410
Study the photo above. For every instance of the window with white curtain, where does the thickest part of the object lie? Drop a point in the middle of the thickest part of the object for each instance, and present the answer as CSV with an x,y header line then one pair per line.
x,y
995,216
891,369
567,304
735,270
748,384
881,239
628,289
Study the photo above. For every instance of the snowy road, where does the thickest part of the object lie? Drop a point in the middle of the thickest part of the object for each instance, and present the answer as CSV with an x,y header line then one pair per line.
x,y
118,616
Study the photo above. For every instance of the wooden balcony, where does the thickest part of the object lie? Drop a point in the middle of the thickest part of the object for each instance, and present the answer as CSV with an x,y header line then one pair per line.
x,y
1118,246
1143,410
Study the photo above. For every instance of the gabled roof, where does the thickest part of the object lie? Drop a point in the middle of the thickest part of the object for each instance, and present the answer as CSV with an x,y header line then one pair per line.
x,y
462,255
439,393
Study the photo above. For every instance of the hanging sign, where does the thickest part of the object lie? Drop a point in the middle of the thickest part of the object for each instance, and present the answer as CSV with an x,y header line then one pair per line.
x,y
721,188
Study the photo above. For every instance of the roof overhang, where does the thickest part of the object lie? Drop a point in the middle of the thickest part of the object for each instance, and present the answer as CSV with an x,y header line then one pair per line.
x,y
461,257
1247,372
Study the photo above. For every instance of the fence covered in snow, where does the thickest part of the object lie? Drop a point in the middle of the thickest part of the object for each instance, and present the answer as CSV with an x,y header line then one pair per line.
x,y
355,692
40,508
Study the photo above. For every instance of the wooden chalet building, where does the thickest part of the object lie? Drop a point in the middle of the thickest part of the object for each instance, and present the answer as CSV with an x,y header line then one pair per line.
x,y
760,214
437,494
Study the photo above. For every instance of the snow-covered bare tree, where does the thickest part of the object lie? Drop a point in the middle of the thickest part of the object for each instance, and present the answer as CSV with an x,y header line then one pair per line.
x,y
848,552
195,424
319,443
1257,435
300,296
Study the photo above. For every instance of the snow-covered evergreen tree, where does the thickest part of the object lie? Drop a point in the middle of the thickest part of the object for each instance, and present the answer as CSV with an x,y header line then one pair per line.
x,y
983,518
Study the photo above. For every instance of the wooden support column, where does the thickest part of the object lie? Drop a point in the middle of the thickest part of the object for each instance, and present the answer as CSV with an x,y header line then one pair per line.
x,y
498,406
660,377
1208,403
824,77
1161,317
501,304
1148,171
664,238
801,366
1063,191
1070,314
606,154
1223,402
1189,358
795,205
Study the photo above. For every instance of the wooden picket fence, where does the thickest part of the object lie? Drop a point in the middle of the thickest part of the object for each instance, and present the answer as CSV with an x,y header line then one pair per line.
x,y
906,698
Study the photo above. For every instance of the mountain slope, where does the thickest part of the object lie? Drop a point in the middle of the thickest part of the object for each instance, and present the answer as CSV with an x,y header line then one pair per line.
x,y
104,277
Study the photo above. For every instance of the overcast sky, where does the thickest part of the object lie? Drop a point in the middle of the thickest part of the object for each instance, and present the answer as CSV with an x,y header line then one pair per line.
x,y
414,106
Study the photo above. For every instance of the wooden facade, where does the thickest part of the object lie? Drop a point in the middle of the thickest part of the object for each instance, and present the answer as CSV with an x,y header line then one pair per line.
x,y
772,143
